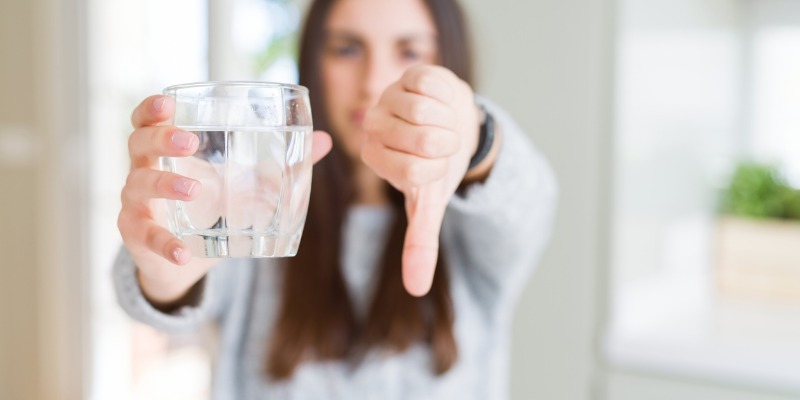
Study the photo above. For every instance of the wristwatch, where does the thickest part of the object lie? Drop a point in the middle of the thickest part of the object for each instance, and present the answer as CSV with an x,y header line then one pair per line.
x,y
485,138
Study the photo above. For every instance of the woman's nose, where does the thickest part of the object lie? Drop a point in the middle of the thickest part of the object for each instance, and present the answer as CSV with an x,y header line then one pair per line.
x,y
378,75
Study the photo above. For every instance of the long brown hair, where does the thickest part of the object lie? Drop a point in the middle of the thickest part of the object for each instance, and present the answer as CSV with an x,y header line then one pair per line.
x,y
316,320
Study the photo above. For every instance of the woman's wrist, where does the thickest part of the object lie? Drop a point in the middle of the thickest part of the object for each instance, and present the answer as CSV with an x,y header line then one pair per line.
x,y
167,303
164,287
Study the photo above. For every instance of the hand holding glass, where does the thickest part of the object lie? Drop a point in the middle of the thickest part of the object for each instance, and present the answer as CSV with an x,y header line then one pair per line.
x,y
254,165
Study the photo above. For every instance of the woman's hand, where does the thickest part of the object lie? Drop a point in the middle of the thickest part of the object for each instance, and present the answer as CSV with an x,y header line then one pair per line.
x,y
420,138
142,220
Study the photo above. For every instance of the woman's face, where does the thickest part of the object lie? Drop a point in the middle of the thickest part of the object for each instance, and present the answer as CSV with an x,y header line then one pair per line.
x,y
369,44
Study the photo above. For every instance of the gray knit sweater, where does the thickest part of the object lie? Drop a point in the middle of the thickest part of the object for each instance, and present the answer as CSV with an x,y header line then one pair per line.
x,y
493,236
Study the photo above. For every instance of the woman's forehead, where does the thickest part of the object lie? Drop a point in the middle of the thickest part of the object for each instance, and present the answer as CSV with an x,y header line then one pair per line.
x,y
384,19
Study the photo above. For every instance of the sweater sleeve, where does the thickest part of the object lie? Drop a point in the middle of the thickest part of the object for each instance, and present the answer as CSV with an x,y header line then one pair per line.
x,y
497,230
212,297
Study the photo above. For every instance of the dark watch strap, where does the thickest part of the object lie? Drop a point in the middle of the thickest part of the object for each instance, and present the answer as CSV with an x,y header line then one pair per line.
x,y
485,139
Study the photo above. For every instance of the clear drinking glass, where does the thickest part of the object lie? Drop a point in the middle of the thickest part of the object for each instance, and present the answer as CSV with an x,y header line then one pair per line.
x,y
254,164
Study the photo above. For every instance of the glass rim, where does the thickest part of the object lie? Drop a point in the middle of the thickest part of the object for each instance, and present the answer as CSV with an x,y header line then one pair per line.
x,y
173,89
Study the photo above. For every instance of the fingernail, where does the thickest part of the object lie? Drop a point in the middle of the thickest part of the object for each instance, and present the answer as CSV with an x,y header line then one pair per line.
x,y
179,255
184,186
158,104
183,140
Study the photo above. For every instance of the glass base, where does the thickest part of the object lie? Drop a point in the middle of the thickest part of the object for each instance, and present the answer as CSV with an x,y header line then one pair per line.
x,y
242,245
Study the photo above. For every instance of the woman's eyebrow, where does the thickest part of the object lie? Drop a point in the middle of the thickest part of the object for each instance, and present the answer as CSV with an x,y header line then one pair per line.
x,y
344,36
353,37
416,38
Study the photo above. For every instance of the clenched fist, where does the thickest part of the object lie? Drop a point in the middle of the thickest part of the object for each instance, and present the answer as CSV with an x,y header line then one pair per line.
x,y
420,138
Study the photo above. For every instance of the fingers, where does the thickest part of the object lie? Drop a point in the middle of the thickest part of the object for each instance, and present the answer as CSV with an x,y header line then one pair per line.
x,y
144,184
432,81
321,147
153,110
163,243
421,246
403,171
422,141
145,231
418,109
148,143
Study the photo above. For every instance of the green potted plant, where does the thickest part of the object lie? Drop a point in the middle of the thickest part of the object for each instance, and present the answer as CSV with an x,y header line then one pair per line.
x,y
758,235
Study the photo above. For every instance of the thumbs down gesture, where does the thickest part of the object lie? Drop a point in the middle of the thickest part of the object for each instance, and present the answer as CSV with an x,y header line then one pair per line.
x,y
420,138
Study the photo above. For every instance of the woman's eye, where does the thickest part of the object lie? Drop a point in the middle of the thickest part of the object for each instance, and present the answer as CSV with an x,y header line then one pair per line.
x,y
410,55
345,51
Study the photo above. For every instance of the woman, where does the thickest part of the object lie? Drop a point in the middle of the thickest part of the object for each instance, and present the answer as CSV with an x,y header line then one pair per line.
x,y
371,306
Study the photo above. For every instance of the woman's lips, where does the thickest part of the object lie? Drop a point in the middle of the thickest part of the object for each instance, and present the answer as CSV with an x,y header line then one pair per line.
x,y
358,117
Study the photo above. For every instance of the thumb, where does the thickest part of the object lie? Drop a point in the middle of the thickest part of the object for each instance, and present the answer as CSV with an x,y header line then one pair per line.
x,y
421,247
322,144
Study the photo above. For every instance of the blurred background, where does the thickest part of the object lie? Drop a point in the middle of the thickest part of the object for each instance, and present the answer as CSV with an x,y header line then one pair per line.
x,y
673,126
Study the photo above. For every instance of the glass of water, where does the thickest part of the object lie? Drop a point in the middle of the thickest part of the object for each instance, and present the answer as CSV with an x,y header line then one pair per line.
x,y
254,164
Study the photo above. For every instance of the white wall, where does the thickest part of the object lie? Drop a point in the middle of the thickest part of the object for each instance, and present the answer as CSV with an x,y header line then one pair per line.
x,y
548,63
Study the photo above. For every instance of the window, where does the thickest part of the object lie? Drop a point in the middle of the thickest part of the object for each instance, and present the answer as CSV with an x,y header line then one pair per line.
x,y
701,86
136,49
775,129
